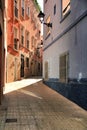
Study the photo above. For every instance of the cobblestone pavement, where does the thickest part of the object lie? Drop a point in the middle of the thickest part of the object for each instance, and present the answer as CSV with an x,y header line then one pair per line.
x,y
31,105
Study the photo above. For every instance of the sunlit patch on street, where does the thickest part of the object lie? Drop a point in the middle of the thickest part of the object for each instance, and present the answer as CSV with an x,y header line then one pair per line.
x,y
9,87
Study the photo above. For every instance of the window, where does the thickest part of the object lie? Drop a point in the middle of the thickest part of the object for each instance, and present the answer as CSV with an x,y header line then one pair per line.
x,y
64,67
54,9
27,40
39,67
38,52
27,62
32,41
65,7
28,11
22,7
16,8
48,28
22,36
15,39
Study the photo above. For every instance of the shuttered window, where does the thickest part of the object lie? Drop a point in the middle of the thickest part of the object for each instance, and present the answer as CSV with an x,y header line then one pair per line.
x,y
22,7
16,8
65,7
22,35
48,28
27,40
27,62
15,39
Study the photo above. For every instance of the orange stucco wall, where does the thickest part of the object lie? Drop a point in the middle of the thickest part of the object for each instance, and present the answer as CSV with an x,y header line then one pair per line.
x,y
31,24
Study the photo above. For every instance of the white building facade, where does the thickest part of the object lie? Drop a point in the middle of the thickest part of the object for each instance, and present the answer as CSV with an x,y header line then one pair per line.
x,y
65,44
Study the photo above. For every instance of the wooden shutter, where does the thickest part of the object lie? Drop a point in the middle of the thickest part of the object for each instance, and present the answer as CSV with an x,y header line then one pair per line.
x,y
64,67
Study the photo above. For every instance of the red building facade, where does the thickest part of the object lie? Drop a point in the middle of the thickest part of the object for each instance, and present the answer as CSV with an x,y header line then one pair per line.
x,y
23,38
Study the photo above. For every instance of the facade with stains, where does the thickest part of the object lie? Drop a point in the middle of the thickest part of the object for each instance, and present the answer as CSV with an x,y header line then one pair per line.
x,y
23,37
65,47
2,49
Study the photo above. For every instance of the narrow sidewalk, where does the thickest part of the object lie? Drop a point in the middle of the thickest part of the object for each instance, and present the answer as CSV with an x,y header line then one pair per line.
x,y
31,105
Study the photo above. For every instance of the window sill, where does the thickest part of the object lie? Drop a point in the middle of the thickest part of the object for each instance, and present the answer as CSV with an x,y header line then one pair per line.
x,y
66,15
47,36
16,49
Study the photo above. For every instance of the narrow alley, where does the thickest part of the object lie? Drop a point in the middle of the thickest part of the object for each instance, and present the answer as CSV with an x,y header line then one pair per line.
x,y
31,105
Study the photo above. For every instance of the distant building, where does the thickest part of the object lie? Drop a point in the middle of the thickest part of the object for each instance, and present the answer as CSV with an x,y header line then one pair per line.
x,y
2,49
23,35
65,46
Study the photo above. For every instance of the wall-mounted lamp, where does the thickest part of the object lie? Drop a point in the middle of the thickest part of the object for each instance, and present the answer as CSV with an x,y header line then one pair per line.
x,y
41,16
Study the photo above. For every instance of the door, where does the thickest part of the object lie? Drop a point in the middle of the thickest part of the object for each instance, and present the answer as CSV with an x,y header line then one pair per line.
x,y
22,65
46,70
15,70
64,67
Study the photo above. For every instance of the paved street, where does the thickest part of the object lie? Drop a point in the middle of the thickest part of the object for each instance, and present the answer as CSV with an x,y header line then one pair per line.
x,y
31,105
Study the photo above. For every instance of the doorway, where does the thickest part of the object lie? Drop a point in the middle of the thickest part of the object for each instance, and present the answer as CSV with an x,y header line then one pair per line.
x,y
64,67
15,70
22,65
46,70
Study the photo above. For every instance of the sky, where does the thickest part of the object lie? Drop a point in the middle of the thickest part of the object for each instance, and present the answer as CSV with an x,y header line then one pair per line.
x,y
40,2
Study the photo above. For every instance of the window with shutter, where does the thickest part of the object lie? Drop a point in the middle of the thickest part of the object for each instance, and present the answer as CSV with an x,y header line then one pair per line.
x,y
65,7
22,7
48,28
16,8
15,38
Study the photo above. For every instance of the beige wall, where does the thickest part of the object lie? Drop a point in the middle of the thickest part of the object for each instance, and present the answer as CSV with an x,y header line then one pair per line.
x,y
66,35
